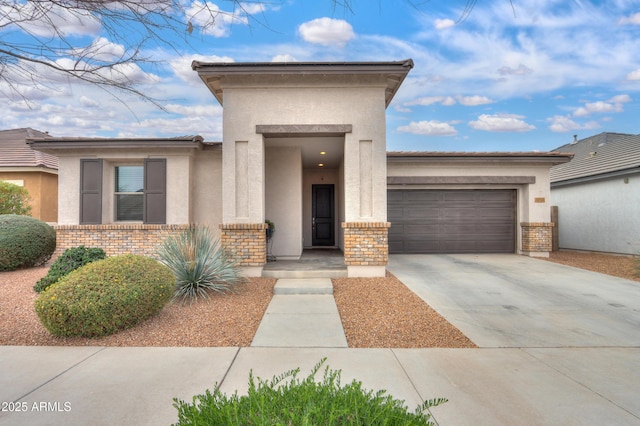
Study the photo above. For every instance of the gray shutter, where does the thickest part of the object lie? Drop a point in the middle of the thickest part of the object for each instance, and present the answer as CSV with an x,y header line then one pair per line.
x,y
155,183
90,191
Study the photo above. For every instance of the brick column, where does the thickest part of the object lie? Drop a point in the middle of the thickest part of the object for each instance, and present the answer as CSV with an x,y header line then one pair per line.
x,y
366,243
245,242
537,237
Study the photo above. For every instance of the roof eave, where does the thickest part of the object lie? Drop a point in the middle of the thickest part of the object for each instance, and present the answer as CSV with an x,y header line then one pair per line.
x,y
552,158
212,72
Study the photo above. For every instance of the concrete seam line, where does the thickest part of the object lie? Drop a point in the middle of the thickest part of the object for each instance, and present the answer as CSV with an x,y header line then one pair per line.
x,y
229,368
61,373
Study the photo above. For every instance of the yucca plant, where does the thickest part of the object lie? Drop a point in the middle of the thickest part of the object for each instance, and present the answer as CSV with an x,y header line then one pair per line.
x,y
199,264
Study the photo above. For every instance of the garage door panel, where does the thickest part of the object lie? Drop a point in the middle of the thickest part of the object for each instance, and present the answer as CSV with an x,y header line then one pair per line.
x,y
452,221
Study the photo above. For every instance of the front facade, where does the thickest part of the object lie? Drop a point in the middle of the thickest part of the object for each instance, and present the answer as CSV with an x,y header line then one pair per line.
x,y
304,147
598,194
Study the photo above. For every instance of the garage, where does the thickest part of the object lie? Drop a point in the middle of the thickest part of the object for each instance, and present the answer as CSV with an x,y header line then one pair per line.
x,y
452,221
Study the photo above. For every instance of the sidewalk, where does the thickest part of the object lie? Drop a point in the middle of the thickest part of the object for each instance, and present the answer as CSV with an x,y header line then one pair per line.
x,y
106,386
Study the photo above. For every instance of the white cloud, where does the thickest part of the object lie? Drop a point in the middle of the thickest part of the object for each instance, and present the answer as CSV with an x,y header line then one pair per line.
x,y
561,124
474,100
630,20
441,24
634,75
429,128
450,100
327,32
211,19
521,70
501,123
620,99
284,58
100,49
55,21
598,107
181,67
88,102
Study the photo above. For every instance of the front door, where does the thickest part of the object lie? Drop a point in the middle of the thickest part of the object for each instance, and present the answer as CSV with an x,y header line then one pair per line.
x,y
322,221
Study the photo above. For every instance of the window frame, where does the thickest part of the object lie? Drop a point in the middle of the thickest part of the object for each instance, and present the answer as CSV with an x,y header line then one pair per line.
x,y
116,193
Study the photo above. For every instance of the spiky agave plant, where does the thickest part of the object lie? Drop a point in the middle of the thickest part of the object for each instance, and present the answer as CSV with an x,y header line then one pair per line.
x,y
199,264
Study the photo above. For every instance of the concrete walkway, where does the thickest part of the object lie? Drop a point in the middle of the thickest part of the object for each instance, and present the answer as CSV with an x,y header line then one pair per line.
x,y
517,309
301,314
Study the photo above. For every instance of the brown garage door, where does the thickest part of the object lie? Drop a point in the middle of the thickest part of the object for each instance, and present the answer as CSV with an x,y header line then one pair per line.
x,y
451,221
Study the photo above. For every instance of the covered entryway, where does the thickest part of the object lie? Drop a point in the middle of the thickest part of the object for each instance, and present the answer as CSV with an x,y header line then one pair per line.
x,y
452,221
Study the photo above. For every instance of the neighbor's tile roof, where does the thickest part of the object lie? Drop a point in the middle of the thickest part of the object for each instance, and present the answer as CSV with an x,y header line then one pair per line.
x,y
14,151
598,155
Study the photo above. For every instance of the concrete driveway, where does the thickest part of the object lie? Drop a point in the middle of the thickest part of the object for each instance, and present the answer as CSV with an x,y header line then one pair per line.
x,y
502,301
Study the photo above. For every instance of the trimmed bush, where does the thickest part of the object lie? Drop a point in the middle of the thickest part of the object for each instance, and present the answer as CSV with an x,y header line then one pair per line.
x,y
14,199
70,260
199,264
24,242
105,296
287,400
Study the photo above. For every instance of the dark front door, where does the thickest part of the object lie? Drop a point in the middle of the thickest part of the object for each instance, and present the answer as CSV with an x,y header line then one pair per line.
x,y
322,221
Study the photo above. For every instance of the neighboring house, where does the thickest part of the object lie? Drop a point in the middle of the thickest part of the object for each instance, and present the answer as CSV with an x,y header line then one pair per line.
x,y
598,194
34,170
304,145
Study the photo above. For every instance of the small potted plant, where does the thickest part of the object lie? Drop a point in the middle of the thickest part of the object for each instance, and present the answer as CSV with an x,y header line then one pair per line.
x,y
271,228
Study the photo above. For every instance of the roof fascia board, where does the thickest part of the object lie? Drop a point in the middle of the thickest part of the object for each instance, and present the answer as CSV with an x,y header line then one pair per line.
x,y
550,158
595,178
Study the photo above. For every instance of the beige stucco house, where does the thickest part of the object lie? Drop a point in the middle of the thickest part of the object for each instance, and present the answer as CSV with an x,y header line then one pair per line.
x,y
304,145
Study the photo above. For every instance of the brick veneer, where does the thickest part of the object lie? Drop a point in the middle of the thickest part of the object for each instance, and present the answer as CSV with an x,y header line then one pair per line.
x,y
115,239
537,236
366,243
245,242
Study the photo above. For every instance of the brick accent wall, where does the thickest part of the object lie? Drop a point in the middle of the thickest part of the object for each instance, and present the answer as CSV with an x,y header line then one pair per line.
x,y
245,242
366,243
115,239
537,236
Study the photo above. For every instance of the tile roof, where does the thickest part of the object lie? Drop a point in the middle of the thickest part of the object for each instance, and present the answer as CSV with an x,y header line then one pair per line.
x,y
598,155
14,151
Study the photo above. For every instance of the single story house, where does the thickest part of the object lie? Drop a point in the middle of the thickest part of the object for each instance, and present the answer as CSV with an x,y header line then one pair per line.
x,y
304,146
36,171
598,194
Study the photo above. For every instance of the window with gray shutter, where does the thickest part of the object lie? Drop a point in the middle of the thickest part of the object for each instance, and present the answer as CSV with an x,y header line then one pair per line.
x,y
155,182
90,191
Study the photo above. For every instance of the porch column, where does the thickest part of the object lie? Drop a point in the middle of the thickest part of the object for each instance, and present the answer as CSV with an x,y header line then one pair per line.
x,y
243,190
366,246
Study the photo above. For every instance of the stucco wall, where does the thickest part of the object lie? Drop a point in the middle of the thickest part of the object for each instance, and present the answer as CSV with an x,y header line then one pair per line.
x,y
43,192
283,174
206,189
600,216
359,103
179,196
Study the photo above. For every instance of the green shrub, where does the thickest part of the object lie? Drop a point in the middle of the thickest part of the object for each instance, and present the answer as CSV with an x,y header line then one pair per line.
x,y
287,400
199,264
14,199
24,242
70,260
105,296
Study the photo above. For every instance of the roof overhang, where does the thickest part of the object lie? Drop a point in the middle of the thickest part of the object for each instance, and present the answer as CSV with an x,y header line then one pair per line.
x,y
213,73
60,144
551,158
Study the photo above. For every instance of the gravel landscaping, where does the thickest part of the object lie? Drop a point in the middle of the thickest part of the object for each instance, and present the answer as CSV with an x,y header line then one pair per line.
x,y
376,312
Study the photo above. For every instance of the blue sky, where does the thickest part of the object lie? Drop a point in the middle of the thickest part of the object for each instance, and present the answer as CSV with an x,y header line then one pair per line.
x,y
518,76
